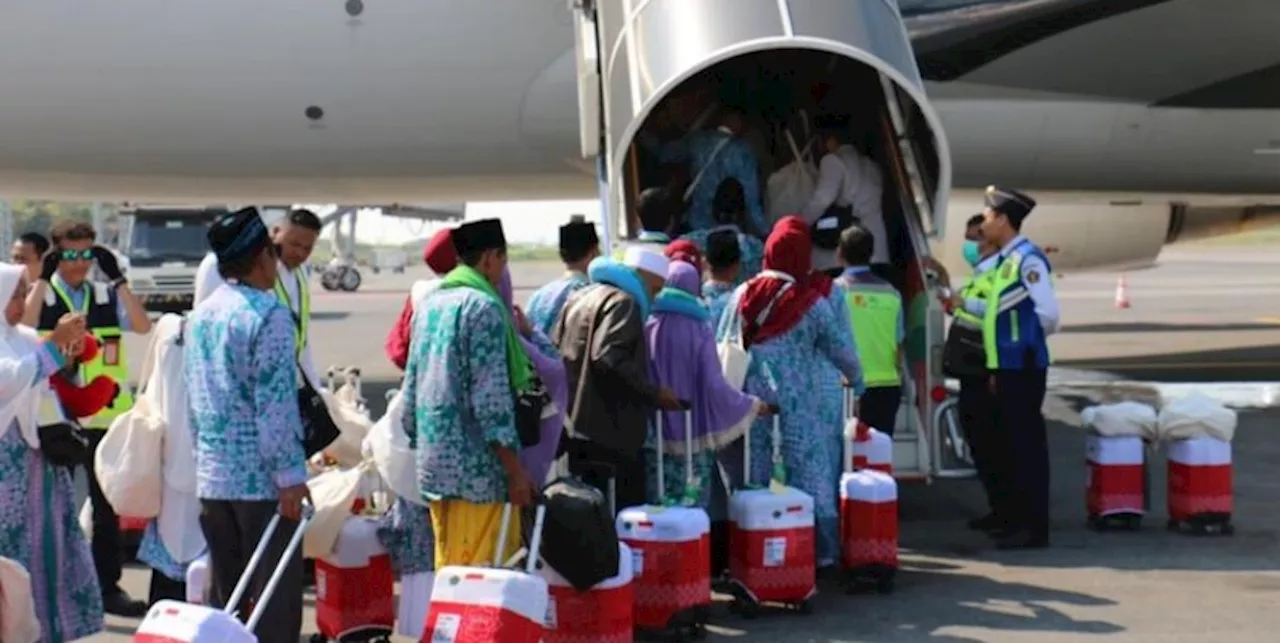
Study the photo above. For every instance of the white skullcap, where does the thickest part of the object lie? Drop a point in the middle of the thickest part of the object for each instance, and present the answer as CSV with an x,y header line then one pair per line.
x,y
647,260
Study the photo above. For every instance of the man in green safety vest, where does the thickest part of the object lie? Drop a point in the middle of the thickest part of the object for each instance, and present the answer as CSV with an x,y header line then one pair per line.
x,y
111,310
295,239
965,358
875,311
1019,312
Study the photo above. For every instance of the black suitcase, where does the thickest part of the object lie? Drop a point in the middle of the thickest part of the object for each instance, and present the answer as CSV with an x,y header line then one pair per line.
x,y
579,538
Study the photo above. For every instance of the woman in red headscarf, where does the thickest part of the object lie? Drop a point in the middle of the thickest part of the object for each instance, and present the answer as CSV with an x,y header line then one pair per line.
x,y
441,257
797,343
686,251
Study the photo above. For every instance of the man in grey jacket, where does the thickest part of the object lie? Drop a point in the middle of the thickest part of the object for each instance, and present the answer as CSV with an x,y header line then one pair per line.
x,y
600,333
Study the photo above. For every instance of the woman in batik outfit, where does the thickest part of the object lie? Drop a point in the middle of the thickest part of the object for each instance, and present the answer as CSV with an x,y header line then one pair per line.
x,y
38,524
800,332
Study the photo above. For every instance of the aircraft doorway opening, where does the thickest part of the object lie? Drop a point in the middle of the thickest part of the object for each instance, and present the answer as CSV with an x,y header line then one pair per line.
x,y
786,91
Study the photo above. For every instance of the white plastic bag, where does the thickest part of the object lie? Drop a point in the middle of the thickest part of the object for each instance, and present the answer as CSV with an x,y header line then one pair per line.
x,y
392,456
18,620
332,494
1121,419
1197,416
789,189
353,425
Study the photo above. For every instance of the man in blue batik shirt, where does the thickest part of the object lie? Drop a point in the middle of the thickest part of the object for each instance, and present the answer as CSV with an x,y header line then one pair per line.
x,y
245,422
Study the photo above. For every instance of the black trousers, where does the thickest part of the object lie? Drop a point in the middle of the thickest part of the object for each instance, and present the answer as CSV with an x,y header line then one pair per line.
x,y
1019,397
978,421
164,588
878,407
592,463
233,528
105,539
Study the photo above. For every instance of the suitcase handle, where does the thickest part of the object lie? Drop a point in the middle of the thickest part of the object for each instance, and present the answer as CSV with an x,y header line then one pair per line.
x,y
242,585
534,552
776,435
846,436
688,451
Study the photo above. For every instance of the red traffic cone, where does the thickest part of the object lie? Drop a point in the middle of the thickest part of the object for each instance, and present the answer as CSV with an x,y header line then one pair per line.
x,y
1122,292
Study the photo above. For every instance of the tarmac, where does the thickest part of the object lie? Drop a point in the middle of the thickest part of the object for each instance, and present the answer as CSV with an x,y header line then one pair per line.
x,y
1202,320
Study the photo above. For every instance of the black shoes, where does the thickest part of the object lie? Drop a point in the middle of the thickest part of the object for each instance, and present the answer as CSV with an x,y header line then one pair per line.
x,y
120,604
987,523
1021,539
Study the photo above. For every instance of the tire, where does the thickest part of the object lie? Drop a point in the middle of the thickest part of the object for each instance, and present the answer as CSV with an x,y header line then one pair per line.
x,y
350,280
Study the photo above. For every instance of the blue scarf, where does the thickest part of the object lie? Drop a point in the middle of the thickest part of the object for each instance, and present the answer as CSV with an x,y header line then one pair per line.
x,y
679,302
608,271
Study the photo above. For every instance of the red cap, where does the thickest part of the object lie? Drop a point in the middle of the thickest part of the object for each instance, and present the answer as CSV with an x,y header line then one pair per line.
x,y
440,254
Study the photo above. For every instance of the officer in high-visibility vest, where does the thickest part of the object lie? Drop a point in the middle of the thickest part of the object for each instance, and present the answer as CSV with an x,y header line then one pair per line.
x,y
111,310
1018,314
295,239
875,311
965,358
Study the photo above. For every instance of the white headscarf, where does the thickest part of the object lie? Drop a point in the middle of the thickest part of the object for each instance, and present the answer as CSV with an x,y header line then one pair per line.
x,y
19,393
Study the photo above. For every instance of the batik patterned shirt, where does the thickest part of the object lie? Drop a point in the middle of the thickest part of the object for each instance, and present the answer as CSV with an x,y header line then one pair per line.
x,y
546,302
458,397
242,388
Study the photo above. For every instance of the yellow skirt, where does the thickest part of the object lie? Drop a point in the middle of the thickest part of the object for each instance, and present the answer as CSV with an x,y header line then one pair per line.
x,y
467,534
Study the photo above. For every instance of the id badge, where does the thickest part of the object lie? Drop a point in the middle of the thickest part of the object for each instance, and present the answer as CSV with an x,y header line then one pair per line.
x,y
111,351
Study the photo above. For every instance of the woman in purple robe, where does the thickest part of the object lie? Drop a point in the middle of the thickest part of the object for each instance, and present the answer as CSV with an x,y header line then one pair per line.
x,y
546,360
682,357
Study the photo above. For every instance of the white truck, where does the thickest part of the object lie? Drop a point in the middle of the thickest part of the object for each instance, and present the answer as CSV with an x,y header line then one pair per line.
x,y
162,247
390,259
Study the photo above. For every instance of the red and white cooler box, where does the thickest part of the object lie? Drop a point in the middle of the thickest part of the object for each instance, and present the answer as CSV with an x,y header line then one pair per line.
x,y
602,614
355,586
771,544
490,605
869,519
1199,478
871,448
1115,475
671,560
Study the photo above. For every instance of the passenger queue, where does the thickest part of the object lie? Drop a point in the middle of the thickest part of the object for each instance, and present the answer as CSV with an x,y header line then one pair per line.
x,y
495,397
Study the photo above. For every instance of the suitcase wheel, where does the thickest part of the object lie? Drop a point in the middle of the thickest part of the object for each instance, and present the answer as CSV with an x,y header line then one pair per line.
x,y
1205,524
745,607
319,638
885,584
805,607
1116,522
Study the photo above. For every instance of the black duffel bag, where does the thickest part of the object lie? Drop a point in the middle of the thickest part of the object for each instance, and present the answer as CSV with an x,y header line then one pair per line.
x,y
318,428
964,354
64,444
826,230
579,539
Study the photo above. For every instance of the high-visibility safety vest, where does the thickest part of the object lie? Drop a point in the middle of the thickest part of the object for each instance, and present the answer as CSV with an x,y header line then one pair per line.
x,y
874,310
302,317
977,286
1011,330
103,322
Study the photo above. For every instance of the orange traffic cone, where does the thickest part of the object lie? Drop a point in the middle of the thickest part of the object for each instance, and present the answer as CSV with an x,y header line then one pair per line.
x,y
1122,292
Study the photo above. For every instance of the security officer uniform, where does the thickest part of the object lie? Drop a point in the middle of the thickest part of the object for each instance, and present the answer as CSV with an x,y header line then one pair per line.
x,y
107,321
1018,314
977,405
875,312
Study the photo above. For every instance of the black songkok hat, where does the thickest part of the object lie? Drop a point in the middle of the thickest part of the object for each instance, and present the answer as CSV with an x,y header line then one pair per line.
x,y
478,236
577,236
236,234
1013,204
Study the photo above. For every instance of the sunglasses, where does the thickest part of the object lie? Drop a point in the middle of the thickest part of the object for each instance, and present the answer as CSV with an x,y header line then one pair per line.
x,y
76,255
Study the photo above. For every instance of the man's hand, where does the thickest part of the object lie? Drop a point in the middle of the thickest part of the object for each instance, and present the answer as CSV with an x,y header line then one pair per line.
x,y
764,409
668,401
291,501
70,329
522,323
107,263
520,489
49,264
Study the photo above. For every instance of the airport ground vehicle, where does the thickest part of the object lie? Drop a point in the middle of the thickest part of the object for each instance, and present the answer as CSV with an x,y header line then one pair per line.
x,y
163,246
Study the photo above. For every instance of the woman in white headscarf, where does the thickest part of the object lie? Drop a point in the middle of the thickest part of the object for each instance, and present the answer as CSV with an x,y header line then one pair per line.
x,y
38,525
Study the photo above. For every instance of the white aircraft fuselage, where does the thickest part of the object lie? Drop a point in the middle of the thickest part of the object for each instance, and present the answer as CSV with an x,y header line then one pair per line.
x,y
405,100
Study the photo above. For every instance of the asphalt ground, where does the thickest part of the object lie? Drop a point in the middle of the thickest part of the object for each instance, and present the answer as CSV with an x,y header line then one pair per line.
x,y
1202,320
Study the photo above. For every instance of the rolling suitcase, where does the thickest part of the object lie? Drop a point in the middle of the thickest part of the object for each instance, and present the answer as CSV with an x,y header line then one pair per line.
x,y
868,526
1116,481
1200,486
771,539
670,555
872,449
355,587
175,622
491,604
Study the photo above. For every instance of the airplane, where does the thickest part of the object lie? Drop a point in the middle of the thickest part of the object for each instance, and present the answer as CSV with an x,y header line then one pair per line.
x,y
1135,123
